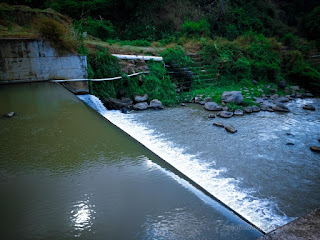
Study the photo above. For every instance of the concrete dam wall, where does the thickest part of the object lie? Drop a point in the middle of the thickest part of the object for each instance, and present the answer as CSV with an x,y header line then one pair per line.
x,y
30,60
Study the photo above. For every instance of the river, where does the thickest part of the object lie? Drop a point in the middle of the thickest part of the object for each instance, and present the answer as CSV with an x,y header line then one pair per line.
x,y
254,171
66,172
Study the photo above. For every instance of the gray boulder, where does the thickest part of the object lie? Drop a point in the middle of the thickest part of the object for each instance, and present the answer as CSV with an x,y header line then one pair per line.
x,y
225,114
248,109
309,107
230,129
279,107
212,106
140,106
233,96
238,112
315,148
9,115
255,109
218,124
282,99
208,99
197,99
113,103
156,104
143,98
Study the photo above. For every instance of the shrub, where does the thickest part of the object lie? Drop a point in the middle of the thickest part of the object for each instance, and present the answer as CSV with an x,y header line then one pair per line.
x,y
98,28
57,34
313,23
195,29
176,57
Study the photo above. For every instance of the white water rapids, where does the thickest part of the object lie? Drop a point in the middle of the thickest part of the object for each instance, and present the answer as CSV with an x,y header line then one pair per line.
x,y
261,212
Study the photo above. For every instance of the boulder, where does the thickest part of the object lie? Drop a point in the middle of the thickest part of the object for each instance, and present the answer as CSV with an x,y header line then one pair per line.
x,y
212,106
156,104
197,99
238,112
309,107
211,116
183,104
295,88
140,106
248,109
230,129
143,98
208,99
225,114
282,99
265,106
315,148
283,84
218,124
255,109
280,108
233,97
9,115
202,102
308,95
113,103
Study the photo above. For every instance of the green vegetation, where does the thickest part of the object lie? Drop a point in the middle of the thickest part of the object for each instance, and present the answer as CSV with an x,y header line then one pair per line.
x,y
236,41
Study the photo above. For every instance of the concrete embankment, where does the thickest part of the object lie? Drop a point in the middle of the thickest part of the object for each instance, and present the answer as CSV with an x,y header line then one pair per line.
x,y
30,60
306,227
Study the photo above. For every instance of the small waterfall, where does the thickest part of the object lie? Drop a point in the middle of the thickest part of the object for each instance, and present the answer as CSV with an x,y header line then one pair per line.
x,y
261,212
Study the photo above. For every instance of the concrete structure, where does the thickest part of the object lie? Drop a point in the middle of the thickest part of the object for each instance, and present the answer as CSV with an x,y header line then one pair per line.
x,y
29,60
307,227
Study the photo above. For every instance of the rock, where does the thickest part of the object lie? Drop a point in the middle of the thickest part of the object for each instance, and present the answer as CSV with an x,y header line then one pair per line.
x,y
124,110
197,99
225,108
140,106
9,115
233,96
315,148
218,124
282,99
156,104
274,96
295,88
273,90
208,99
248,109
248,97
225,114
254,82
183,104
265,106
230,129
280,108
283,84
308,95
238,112
290,144
255,109
212,106
113,103
309,107
289,134
143,98
211,116
202,102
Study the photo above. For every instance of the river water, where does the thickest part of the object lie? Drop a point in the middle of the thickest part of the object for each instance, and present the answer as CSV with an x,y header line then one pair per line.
x,y
253,171
66,172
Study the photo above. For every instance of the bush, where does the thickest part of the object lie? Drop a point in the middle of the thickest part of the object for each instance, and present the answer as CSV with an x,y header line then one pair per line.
x,y
57,34
195,29
176,57
313,23
98,28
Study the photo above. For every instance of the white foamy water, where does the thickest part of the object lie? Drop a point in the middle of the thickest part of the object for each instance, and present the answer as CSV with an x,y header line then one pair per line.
x,y
261,212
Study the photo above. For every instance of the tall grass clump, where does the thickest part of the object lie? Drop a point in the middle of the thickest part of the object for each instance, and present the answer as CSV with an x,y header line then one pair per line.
x,y
56,33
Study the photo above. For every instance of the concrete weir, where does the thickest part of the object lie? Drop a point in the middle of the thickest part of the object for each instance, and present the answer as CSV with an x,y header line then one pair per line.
x,y
32,60
306,227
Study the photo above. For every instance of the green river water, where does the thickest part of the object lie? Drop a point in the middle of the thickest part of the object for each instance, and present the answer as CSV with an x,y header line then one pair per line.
x,y
66,172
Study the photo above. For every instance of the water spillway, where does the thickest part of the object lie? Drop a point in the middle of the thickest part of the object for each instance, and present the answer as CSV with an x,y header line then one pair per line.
x,y
253,172
68,173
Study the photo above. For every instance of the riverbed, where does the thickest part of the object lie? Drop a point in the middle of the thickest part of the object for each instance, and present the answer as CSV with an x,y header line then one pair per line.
x,y
254,171
66,172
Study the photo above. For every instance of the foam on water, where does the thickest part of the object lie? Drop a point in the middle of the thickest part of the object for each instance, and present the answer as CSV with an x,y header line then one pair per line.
x,y
261,212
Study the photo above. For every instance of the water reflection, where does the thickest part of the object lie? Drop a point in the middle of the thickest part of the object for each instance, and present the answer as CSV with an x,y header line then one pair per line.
x,y
82,215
